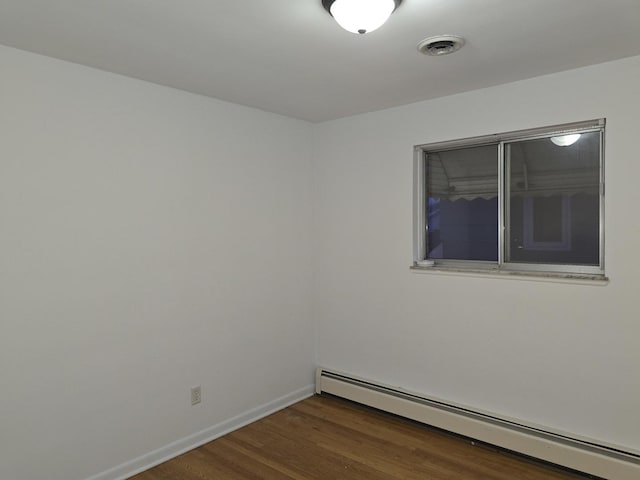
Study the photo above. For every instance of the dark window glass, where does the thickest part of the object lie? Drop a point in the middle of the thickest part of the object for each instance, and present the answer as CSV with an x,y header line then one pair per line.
x,y
462,204
553,200
547,219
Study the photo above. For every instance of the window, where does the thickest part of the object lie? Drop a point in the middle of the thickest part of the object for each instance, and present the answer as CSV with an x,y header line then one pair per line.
x,y
528,201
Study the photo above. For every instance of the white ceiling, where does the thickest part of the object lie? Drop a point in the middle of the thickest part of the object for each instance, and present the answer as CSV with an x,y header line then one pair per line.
x,y
290,57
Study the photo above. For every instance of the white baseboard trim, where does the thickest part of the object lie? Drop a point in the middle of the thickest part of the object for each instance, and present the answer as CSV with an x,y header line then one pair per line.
x,y
172,450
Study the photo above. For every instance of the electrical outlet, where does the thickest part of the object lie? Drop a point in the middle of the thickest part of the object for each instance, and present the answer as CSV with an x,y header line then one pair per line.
x,y
196,395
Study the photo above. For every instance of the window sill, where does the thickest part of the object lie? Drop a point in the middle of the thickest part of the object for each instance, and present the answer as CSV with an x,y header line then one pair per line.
x,y
552,277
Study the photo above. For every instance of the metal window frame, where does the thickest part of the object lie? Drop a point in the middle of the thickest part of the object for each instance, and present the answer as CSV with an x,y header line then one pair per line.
x,y
503,141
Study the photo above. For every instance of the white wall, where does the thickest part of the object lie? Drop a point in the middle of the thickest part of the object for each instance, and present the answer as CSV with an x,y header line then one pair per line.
x,y
562,355
150,240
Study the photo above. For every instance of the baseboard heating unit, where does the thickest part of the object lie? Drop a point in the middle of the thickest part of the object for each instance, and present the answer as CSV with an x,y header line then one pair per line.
x,y
584,455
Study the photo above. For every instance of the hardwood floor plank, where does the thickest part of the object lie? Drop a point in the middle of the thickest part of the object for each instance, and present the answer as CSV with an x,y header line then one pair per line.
x,y
379,454
414,445
242,466
303,457
434,446
325,438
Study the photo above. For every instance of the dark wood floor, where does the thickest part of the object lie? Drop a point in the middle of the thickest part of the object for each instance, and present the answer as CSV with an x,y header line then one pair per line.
x,y
328,438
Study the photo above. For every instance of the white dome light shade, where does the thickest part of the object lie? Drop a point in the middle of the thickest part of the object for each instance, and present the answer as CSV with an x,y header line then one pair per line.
x,y
565,140
362,16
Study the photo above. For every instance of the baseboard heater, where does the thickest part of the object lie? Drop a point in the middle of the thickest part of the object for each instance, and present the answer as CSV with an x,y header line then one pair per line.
x,y
562,449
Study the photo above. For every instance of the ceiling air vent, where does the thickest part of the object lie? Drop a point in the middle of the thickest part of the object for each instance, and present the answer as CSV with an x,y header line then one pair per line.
x,y
441,45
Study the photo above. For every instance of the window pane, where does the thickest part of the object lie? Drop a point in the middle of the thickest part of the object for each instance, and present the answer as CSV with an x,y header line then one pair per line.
x,y
554,201
462,204
547,219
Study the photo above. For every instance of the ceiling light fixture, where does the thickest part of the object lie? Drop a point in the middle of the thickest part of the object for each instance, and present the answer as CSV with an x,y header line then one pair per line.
x,y
565,140
361,16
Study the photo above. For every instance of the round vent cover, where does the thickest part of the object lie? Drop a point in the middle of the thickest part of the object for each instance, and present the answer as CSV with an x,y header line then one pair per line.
x,y
441,45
